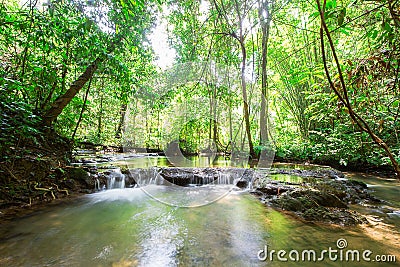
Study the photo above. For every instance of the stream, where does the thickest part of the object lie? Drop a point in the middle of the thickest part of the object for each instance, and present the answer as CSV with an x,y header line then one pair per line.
x,y
129,227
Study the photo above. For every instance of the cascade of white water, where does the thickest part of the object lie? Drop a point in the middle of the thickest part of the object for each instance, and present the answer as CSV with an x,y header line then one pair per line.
x,y
223,178
250,185
110,182
145,177
208,179
138,179
116,179
97,185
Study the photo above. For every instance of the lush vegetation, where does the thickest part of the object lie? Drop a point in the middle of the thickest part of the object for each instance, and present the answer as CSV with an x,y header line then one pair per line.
x,y
316,80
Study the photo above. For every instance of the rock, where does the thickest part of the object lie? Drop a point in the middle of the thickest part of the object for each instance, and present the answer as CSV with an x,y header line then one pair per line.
x,y
317,206
334,216
274,189
81,176
322,197
242,184
349,191
70,184
189,176
325,201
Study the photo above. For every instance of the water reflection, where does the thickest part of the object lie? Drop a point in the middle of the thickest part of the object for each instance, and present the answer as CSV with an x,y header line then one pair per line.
x,y
125,227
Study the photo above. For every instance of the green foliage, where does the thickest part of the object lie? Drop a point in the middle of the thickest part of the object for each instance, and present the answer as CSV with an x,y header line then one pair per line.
x,y
18,123
44,51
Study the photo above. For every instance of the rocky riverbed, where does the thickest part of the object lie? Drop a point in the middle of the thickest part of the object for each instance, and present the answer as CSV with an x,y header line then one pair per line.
x,y
324,195
320,195
317,195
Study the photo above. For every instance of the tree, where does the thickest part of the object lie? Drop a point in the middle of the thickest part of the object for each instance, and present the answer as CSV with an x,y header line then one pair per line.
x,y
265,13
342,92
131,10
240,10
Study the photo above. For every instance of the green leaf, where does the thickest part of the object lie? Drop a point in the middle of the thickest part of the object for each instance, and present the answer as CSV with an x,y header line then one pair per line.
x,y
341,16
345,30
331,4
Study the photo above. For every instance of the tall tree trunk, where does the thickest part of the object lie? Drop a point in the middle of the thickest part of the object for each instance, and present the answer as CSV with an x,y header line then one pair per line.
x,y
343,97
210,120
62,101
246,110
158,130
215,121
121,122
100,118
264,6
82,110
241,40
28,43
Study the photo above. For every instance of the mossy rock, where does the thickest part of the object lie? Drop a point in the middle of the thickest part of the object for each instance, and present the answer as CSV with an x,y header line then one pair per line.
x,y
80,175
318,206
311,198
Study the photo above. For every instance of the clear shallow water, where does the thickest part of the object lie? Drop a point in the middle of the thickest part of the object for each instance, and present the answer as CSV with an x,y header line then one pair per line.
x,y
127,227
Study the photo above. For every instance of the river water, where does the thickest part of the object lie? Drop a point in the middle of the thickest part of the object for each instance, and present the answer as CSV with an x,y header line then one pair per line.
x,y
129,227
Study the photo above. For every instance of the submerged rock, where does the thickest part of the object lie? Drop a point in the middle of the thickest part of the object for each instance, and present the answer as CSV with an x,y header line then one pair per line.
x,y
323,200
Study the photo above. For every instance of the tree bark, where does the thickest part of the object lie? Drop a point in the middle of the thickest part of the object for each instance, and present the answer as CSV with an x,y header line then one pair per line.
x,y
121,123
264,110
245,99
241,41
83,109
100,115
62,101
358,120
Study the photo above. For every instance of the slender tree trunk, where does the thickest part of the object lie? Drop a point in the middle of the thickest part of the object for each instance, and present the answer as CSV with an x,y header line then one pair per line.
x,y
100,115
245,99
210,120
343,97
28,44
158,130
147,130
395,14
134,123
83,109
121,123
265,30
241,40
230,124
49,96
215,123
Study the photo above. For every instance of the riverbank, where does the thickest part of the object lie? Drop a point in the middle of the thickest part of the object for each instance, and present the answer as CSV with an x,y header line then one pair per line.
x,y
311,192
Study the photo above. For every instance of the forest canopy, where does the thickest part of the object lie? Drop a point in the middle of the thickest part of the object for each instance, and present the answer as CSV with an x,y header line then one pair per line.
x,y
313,80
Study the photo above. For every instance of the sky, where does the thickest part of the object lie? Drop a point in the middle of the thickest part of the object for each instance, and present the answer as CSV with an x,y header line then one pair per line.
x,y
159,40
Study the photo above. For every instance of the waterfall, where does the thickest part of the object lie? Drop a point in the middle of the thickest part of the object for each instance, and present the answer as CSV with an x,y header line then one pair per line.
x,y
97,185
181,176
224,178
144,177
116,179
